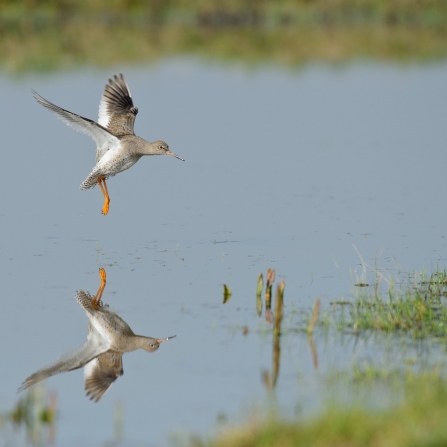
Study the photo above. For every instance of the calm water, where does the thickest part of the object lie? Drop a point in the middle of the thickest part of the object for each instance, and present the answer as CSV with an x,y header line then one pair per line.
x,y
284,169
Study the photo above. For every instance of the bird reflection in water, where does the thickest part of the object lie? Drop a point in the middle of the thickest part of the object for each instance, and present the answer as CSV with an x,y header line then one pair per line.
x,y
109,337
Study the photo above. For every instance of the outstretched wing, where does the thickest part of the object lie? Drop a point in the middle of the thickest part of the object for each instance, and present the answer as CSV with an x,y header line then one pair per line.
x,y
116,110
94,346
102,137
101,372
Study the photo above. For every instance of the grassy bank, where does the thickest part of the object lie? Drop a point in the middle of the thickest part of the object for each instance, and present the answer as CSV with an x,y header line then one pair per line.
x,y
237,12
50,35
419,420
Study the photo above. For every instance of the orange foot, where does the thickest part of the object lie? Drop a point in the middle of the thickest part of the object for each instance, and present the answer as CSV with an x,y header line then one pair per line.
x,y
103,185
96,301
105,208
102,275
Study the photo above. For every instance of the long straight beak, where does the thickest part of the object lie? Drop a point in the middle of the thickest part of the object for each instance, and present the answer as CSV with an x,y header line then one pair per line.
x,y
172,153
161,340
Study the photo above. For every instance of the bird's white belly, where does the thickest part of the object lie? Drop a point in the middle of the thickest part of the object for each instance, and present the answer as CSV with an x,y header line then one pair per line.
x,y
103,332
114,161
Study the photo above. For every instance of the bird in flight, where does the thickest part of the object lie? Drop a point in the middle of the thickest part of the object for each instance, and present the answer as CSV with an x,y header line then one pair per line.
x,y
117,146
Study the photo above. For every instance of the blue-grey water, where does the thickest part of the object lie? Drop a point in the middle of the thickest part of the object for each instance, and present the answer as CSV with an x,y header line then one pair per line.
x,y
287,169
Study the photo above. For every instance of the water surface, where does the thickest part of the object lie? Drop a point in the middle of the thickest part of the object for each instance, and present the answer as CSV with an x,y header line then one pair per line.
x,y
284,169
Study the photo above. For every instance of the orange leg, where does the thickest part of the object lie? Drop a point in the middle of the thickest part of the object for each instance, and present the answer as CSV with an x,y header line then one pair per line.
x,y
96,301
103,185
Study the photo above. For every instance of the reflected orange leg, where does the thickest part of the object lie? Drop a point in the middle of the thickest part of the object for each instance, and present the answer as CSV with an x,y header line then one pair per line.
x,y
96,301
103,185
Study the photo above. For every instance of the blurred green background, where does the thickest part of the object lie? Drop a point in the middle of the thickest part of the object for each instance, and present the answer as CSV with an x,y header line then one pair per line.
x,y
50,34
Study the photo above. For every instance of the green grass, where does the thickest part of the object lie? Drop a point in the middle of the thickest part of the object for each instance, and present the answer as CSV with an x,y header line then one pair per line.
x,y
417,308
58,34
236,11
418,420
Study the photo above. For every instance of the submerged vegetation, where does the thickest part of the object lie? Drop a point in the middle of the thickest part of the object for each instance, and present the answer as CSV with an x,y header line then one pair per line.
x,y
405,314
415,307
50,34
419,308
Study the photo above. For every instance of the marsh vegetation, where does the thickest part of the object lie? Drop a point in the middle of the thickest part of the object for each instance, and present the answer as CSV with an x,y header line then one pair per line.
x,y
48,35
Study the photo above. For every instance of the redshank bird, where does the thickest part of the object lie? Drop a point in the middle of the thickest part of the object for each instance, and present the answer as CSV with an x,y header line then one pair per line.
x,y
117,146
109,337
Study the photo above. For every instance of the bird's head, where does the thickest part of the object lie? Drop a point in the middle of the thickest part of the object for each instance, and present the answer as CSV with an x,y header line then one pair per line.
x,y
162,148
152,344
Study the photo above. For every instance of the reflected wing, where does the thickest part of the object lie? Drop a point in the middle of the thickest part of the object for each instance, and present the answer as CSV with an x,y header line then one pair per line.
x,y
101,372
116,110
92,348
102,137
